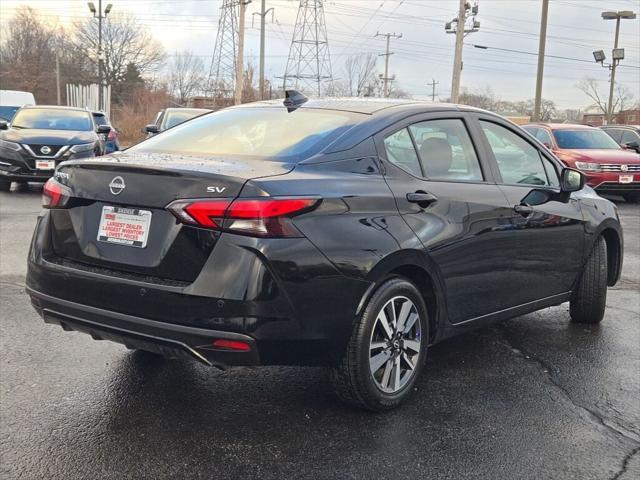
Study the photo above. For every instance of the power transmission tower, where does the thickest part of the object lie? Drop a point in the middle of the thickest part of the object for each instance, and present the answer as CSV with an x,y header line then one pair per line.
x,y
309,63
465,11
386,79
222,74
433,89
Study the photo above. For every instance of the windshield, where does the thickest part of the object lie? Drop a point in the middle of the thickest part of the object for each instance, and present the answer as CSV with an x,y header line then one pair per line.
x,y
100,119
270,133
7,113
173,118
53,119
585,140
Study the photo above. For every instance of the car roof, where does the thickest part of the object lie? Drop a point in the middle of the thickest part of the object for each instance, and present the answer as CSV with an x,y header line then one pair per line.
x,y
629,127
54,107
184,109
560,126
364,105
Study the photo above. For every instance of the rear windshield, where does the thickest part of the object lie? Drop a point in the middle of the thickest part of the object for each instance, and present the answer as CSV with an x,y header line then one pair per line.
x,y
52,119
269,133
585,140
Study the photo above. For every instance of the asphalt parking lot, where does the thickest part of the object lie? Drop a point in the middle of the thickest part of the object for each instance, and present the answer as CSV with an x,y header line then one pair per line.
x,y
535,397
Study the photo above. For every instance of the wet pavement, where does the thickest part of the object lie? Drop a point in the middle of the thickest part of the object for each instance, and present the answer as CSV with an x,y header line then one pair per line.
x,y
535,397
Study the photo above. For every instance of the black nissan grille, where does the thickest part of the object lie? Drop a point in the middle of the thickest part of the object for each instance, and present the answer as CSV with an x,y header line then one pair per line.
x,y
54,150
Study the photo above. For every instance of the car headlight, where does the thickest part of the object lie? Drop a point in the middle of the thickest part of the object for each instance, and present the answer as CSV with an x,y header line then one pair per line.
x,y
588,167
10,145
83,147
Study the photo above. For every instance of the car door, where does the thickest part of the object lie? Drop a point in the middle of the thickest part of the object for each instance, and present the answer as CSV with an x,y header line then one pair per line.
x,y
449,199
546,247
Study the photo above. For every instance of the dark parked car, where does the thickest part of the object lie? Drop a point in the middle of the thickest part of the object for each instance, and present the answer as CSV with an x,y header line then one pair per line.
x,y
609,168
110,139
349,233
627,136
41,137
170,117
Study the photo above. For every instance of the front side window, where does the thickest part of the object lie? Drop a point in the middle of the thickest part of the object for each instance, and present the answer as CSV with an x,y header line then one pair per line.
x,y
262,132
445,150
53,119
518,161
629,136
614,133
400,151
585,139
544,137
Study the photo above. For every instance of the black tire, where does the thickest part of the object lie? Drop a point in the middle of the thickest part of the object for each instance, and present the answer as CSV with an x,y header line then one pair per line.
x,y
632,197
5,185
352,379
590,297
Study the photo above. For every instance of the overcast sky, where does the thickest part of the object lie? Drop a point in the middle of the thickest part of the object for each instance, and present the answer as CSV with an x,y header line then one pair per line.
x,y
424,52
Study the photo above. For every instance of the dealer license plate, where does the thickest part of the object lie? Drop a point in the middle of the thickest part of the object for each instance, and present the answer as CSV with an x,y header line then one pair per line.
x,y
625,179
45,164
125,226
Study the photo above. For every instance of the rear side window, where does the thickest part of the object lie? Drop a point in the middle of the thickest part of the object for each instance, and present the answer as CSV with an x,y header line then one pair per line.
x,y
445,150
400,151
519,162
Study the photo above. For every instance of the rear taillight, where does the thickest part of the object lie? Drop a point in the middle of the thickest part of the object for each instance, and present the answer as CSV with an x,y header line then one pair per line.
x,y
263,217
54,194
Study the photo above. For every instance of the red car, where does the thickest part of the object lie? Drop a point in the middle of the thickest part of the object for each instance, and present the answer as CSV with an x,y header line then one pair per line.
x,y
609,168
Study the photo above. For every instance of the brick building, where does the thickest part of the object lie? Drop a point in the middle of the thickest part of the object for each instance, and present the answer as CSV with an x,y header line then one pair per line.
x,y
625,117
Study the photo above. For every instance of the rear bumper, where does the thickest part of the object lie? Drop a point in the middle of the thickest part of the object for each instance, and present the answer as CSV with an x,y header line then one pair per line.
x,y
283,295
167,339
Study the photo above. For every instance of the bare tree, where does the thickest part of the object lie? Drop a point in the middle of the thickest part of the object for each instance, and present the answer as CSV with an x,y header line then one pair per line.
x,y
127,47
622,97
186,76
360,72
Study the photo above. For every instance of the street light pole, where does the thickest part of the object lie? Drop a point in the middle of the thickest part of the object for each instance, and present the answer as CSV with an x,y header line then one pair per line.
x,y
99,15
240,57
543,39
613,74
617,55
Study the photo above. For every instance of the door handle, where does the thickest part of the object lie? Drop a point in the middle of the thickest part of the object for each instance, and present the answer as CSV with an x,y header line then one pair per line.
x,y
423,199
524,210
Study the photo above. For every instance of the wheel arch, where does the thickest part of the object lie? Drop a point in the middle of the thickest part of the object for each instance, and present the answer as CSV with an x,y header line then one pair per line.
x,y
613,240
417,267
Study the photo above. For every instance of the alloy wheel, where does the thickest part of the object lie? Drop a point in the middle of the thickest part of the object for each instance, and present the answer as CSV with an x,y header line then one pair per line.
x,y
394,347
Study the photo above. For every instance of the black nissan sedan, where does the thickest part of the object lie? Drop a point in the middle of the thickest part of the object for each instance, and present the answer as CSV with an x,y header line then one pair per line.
x,y
40,137
351,233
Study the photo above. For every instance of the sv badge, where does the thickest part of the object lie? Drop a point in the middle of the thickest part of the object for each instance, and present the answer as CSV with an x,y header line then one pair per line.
x,y
216,189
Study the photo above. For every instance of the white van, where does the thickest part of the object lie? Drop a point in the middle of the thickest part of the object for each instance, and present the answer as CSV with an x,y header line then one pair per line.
x,y
12,100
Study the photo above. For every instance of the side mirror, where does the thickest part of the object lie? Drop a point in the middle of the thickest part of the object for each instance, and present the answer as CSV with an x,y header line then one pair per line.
x,y
571,180
151,128
103,129
4,125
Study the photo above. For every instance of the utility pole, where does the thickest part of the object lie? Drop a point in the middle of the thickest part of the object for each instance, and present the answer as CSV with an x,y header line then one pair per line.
x,y
541,47
263,14
612,82
433,89
57,77
463,13
99,15
240,58
387,54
